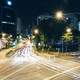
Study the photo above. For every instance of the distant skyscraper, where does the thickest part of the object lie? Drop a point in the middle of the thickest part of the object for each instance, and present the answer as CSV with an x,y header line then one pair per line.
x,y
72,20
7,17
19,25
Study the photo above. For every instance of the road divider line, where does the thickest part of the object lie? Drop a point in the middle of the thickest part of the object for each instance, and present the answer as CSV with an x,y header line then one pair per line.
x,y
56,76
15,72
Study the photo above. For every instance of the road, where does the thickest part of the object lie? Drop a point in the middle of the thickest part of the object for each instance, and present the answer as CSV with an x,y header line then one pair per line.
x,y
40,69
33,67
27,71
5,51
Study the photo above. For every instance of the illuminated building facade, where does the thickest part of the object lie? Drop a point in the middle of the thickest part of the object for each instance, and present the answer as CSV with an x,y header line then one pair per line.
x,y
7,17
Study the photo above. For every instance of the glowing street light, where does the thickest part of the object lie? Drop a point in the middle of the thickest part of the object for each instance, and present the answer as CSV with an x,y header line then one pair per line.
x,y
68,30
10,36
9,3
36,31
3,34
59,15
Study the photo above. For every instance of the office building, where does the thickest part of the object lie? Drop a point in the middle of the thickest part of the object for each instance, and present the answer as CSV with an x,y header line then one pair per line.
x,y
7,17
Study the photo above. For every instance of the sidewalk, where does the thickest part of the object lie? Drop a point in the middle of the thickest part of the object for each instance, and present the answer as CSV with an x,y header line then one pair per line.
x,y
64,56
60,61
4,52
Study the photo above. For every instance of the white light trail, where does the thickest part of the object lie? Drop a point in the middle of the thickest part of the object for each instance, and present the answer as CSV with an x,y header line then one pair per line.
x,y
24,54
16,71
64,72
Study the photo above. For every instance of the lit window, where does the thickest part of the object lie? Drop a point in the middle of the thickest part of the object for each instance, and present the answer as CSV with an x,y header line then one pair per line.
x,y
4,22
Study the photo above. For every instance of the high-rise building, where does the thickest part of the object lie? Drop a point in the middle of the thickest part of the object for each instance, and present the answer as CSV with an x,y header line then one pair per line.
x,y
19,25
72,20
7,17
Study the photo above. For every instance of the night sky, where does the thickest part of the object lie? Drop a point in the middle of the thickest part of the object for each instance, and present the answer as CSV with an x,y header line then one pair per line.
x,y
29,9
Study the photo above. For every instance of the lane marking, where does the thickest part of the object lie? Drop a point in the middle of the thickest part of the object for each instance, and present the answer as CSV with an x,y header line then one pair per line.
x,y
60,70
15,72
61,73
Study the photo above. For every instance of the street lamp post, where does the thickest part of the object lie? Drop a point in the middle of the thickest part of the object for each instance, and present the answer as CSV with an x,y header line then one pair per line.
x,y
38,18
67,36
3,34
62,44
9,3
69,31
59,15
36,33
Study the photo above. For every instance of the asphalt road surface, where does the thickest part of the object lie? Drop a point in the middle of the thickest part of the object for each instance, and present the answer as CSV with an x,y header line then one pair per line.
x,y
33,67
40,69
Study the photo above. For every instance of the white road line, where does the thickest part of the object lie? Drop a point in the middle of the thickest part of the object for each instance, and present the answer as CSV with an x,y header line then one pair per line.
x,y
61,67
67,60
15,72
49,68
72,74
56,76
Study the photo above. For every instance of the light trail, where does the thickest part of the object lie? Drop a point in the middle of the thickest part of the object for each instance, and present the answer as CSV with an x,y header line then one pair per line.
x,y
64,72
73,74
16,71
3,61
59,67
8,67
67,60
26,54
21,55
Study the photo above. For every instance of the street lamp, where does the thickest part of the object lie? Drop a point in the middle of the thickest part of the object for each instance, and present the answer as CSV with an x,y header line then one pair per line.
x,y
36,31
59,15
68,30
9,3
67,37
3,35
35,34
